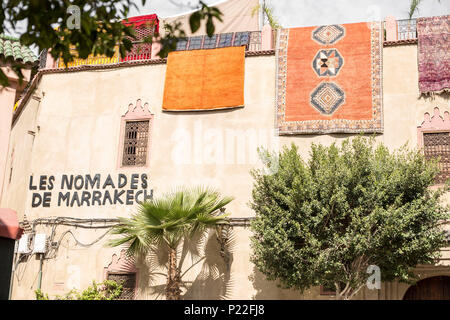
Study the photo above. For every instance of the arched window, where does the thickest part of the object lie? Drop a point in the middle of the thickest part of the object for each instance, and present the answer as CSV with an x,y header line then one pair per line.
x,y
123,271
135,136
433,137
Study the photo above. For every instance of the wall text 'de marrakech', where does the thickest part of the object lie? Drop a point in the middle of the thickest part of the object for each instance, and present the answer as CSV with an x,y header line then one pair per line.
x,y
89,190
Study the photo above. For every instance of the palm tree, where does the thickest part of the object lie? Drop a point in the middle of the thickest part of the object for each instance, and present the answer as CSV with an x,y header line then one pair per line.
x,y
267,12
414,6
164,223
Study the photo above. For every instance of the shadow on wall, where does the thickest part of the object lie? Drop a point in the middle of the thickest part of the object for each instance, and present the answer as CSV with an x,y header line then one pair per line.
x,y
208,257
270,290
214,280
431,98
206,272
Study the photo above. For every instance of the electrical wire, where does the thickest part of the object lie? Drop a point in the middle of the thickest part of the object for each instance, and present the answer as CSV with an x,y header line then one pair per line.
x,y
76,222
79,242
90,223
94,223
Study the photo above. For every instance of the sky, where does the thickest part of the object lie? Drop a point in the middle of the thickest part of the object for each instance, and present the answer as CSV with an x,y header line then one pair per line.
x,y
302,13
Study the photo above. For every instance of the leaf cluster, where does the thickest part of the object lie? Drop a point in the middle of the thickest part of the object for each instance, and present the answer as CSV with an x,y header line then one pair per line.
x,y
168,220
106,290
101,28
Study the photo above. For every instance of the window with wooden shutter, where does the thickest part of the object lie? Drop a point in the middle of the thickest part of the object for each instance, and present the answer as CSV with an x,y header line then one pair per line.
x,y
437,145
135,143
128,282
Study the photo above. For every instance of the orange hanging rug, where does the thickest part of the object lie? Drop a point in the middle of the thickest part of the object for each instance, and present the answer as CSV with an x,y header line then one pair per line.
x,y
205,79
330,79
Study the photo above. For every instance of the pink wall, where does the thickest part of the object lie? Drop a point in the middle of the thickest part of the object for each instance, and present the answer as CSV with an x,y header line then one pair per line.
x,y
7,96
7,100
391,28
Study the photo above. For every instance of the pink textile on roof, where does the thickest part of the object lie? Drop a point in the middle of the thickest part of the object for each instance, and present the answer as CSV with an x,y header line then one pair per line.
x,y
142,21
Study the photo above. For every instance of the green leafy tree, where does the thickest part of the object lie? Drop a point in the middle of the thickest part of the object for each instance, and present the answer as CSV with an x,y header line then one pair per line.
x,y
164,223
101,28
324,221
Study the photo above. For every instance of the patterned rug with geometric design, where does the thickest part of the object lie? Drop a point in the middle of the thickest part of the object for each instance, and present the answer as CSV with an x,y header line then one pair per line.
x,y
329,79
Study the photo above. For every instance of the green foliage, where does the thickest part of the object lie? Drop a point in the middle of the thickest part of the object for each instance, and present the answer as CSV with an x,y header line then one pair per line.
x,y
170,219
175,33
101,27
205,13
414,7
40,295
325,220
107,290
268,13
165,223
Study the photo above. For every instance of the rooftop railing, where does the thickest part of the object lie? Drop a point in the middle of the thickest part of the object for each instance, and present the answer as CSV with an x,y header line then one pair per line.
x,y
143,51
406,29
251,40
43,59
254,41
139,51
400,30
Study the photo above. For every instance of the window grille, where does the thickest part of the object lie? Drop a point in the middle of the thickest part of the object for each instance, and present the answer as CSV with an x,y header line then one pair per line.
x,y
135,143
255,41
195,43
128,282
143,50
139,49
407,29
210,43
43,59
144,32
437,145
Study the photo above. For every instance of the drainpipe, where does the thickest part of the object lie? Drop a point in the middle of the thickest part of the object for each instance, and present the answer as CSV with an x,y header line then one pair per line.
x,y
12,271
40,270
263,17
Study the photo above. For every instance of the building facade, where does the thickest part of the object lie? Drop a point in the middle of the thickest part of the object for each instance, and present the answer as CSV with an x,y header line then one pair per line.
x,y
71,171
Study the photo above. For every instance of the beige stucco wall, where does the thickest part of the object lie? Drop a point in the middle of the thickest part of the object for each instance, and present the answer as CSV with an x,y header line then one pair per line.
x,y
77,125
